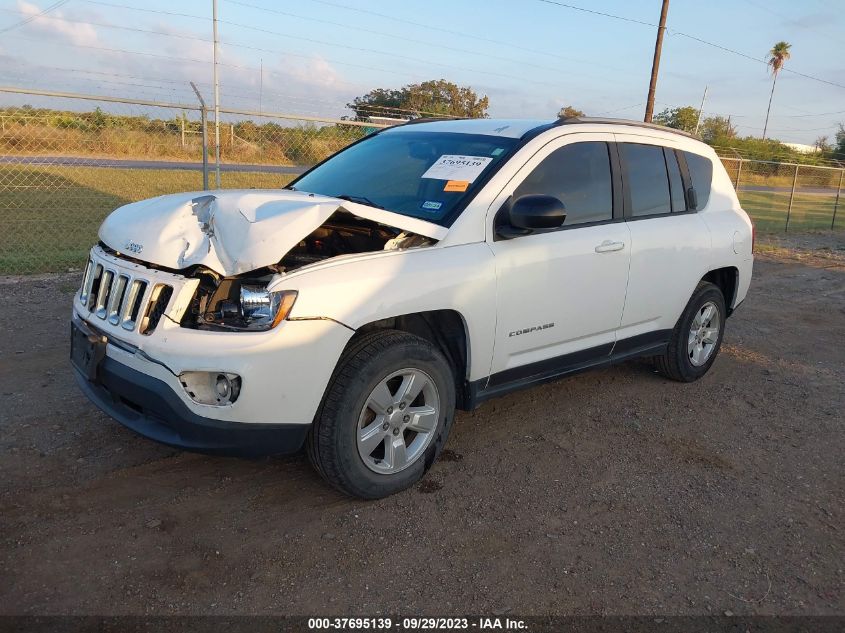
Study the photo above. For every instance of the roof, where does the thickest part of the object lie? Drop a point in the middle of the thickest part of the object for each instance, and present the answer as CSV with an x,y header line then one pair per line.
x,y
509,128
516,128
628,122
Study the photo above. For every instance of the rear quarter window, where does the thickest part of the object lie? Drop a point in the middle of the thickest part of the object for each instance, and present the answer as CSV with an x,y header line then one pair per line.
x,y
701,175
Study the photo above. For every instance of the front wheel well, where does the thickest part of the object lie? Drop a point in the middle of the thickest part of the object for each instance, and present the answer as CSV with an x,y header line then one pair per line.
x,y
726,279
443,328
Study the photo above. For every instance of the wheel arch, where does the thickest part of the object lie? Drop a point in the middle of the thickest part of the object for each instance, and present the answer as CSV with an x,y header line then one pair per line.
x,y
727,280
447,329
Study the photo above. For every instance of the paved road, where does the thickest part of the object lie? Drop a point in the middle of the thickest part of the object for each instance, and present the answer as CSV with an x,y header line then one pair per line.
x,y
821,191
87,161
122,163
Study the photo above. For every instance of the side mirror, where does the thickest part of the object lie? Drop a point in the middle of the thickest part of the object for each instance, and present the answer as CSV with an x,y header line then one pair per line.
x,y
692,198
532,212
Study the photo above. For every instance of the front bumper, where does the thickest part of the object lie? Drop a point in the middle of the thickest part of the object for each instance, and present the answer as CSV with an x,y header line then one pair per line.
x,y
151,408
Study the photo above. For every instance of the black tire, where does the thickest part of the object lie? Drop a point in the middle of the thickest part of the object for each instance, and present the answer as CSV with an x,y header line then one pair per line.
x,y
332,442
676,363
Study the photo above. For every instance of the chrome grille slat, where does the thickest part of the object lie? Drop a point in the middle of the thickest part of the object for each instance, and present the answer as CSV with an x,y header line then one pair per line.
x,y
87,281
135,297
95,279
118,293
123,294
103,294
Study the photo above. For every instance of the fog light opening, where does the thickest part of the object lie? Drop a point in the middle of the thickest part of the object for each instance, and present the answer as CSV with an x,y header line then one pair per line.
x,y
212,388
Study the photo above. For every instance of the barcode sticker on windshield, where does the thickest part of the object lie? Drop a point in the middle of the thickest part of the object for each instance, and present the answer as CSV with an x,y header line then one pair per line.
x,y
454,167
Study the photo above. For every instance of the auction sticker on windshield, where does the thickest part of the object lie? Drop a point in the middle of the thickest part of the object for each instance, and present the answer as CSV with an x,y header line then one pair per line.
x,y
459,168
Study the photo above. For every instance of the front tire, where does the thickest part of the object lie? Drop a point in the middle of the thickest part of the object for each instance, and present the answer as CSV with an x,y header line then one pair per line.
x,y
697,336
385,416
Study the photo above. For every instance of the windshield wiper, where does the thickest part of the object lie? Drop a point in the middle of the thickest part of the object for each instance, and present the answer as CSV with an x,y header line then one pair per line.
x,y
360,200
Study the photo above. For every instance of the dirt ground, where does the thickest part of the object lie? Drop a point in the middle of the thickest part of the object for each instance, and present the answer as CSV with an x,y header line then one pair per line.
x,y
614,492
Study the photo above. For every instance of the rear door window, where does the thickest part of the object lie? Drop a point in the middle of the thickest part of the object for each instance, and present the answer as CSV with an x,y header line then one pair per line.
x,y
701,173
646,179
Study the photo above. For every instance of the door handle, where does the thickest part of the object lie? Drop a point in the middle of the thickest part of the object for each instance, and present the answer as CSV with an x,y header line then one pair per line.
x,y
608,246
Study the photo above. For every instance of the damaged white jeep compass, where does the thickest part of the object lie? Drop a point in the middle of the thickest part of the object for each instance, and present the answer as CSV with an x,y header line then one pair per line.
x,y
427,267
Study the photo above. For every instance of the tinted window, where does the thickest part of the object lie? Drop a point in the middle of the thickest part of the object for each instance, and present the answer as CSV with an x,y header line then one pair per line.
x,y
647,180
393,170
676,183
701,173
579,176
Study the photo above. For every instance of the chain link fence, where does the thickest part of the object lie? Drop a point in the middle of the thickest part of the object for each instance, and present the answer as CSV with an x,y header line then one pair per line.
x,y
66,161
788,196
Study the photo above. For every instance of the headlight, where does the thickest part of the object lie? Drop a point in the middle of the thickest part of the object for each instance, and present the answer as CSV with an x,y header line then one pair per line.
x,y
264,310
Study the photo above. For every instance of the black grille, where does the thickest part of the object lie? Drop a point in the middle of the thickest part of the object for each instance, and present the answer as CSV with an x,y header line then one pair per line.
x,y
156,309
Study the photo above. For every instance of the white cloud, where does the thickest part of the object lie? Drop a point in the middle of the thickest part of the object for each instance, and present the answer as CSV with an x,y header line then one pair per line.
x,y
55,24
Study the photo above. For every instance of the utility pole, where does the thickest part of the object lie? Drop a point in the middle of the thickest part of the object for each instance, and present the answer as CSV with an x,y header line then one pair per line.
x,y
655,64
260,83
216,100
701,110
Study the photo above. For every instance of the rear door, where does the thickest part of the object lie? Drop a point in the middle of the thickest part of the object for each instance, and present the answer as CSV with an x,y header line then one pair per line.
x,y
670,244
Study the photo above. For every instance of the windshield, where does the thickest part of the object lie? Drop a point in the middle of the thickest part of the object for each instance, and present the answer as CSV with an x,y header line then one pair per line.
x,y
419,174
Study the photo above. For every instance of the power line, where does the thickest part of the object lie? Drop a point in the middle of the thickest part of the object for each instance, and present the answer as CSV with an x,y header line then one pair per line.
x,y
691,37
117,26
158,11
485,54
601,13
277,33
789,19
464,34
389,54
43,13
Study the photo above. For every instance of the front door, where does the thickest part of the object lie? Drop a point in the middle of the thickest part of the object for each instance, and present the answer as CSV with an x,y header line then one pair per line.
x,y
560,293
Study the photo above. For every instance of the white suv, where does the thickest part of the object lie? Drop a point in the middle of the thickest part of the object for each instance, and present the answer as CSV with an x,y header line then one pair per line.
x,y
429,266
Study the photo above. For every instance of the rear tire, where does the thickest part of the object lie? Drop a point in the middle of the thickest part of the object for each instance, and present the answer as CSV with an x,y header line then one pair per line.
x,y
385,416
697,336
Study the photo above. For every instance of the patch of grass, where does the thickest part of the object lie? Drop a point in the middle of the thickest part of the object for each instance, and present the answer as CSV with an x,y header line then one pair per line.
x,y
769,209
51,214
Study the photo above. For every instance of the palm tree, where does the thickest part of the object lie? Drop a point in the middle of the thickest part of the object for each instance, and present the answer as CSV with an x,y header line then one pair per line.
x,y
777,57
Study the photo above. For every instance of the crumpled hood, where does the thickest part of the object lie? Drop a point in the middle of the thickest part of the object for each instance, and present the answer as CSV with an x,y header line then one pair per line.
x,y
232,231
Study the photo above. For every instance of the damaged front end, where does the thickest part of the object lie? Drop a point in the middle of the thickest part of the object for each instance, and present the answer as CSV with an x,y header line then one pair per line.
x,y
234,245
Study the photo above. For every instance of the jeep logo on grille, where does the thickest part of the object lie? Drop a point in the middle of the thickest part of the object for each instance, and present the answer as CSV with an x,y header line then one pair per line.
x,y
133,247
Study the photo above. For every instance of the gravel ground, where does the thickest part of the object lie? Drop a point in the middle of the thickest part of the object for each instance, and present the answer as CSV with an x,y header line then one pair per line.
x,y
614,492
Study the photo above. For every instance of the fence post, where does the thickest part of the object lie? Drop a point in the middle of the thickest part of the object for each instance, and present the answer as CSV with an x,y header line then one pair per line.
x,y
204,119
838,193
791,197
738,172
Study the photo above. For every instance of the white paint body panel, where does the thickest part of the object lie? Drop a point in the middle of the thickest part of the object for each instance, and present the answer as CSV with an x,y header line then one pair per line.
x,y
557,278
244,229
495,286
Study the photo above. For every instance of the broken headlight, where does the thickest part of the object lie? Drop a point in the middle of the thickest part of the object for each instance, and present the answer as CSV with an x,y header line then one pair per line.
x,y
261,309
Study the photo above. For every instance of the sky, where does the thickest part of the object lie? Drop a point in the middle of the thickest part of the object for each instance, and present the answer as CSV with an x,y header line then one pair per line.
x,y
531,57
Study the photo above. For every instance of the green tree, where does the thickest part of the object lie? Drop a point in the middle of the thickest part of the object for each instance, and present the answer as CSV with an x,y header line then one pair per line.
x,y
777,58
683,118
839,151
822,144
569,112
429,98
717,130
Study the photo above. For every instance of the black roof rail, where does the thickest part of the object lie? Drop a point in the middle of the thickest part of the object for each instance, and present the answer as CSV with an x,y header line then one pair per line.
x,y
431,119
629,122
